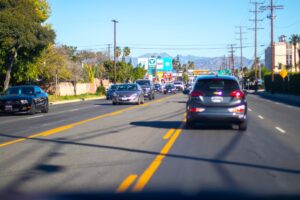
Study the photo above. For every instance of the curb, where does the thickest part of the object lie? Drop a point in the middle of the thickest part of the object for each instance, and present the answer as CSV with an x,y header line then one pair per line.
x,y
77,100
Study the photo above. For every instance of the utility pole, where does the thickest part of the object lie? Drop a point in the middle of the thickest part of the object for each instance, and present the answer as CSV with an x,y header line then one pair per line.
x,y
231,52
256,11
241,46
272,7
115,48
108,51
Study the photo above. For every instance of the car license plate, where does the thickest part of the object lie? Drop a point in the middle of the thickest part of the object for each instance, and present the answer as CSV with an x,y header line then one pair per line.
x,y
8,107
124,99
217,99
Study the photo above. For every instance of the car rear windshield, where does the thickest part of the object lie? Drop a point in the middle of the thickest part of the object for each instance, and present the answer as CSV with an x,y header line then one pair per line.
x,y
143,82
210,86
130,87
113,87
20,91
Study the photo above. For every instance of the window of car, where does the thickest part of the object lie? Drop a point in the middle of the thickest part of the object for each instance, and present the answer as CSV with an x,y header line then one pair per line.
x,y
143,82
131,87
209,86
20,91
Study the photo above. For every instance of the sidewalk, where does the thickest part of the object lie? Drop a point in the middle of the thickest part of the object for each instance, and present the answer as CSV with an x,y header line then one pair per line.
x,y
76,100
278,97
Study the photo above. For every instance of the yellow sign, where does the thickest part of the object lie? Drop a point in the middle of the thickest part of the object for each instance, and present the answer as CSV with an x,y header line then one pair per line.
x,y
201,71
283,73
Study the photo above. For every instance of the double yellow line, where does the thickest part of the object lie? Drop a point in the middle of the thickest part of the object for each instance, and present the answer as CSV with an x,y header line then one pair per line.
x,y
69,126
145,177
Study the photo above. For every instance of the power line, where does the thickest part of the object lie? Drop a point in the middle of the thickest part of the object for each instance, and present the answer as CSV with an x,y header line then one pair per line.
x,y
272,7
256,11
241,45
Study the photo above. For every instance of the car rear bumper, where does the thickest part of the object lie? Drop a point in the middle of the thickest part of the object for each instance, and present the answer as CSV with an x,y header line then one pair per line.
x,y
216,117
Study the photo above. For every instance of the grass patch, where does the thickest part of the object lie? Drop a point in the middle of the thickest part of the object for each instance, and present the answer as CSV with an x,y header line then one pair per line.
x,y
64,98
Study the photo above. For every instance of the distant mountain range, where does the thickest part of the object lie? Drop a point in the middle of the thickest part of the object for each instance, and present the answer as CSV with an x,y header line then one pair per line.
x,y
212,63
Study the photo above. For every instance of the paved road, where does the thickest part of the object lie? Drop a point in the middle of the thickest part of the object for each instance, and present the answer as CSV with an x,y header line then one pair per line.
x,y
96,147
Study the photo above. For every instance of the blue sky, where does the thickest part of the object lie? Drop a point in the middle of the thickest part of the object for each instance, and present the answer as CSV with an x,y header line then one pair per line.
x,y
186,27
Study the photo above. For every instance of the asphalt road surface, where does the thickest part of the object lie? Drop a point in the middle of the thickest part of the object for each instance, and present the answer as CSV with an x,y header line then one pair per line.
x,y
94,146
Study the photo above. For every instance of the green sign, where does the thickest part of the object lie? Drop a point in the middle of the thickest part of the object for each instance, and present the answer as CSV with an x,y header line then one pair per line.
x,y
224,72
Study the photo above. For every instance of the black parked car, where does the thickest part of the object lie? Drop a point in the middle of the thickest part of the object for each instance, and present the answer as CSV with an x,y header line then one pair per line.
x,y
147,87
216,99
110,91
24,99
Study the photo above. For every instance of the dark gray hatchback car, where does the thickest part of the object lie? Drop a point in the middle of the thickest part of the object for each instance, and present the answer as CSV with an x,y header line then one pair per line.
x,y
216,99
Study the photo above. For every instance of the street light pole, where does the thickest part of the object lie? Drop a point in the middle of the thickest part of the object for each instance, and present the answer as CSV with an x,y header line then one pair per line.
x,y
115,41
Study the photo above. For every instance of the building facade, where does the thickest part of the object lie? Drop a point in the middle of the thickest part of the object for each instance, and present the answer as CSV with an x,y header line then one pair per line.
x,y
284,56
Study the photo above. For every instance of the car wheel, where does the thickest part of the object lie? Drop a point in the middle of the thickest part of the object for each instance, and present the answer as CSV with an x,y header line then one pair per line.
x,y
243,125
190,124
150,98
32,110
114,103
46,108
138,102
153,96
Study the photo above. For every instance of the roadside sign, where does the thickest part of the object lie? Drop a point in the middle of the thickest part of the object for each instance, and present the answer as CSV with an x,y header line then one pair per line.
x,y
224,72
283,73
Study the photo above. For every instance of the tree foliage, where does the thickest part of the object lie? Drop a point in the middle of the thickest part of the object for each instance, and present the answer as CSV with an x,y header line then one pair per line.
x,y
22,36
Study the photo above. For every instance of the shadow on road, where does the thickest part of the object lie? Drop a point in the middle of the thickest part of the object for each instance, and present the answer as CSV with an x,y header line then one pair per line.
x,y
155,153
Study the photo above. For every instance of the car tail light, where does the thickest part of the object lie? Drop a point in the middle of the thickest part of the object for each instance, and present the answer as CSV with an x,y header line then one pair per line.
x,y
237,94
192,109
196,94
238,109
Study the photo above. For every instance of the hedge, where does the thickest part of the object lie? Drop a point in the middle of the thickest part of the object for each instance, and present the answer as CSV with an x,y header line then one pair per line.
x,y
289,85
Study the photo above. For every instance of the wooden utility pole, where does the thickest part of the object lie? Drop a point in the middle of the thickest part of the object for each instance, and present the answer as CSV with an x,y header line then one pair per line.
x,y
272,7
115,49
241,46
231,52
108,51
256,11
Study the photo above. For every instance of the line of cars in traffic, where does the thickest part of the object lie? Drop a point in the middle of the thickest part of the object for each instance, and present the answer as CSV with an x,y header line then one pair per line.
x,y
212,99
141,89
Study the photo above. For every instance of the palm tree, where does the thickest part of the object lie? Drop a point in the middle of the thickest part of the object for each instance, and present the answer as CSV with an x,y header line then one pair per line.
x,y
118,52
126,52
295,39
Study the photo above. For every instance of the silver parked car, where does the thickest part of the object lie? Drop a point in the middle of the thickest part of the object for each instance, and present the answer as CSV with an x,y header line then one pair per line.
x,y
128,93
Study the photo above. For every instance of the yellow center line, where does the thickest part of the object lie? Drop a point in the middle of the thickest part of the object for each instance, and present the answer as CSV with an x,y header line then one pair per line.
x,y
169,133
149,172
127,183
69,126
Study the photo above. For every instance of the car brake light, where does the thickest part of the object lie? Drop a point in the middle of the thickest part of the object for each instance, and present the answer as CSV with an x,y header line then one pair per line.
x,y
197,94
238,109
237,94
192,109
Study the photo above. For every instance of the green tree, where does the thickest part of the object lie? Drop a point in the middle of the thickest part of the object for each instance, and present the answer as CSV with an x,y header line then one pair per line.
x,y
138,73
89,73
294,40
118,52
191,65
126,52
185,78
22,35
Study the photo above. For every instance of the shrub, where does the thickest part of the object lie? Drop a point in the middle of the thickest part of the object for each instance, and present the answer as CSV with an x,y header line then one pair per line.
x,y
289,85
101,90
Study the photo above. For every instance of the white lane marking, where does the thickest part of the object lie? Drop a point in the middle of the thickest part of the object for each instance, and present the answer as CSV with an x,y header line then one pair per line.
x,y
250,109
281,130
261,117
37,116
74,110
277,103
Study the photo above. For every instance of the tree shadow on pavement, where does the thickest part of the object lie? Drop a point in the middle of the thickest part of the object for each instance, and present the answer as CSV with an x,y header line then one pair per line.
x,y
217,161
292,102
